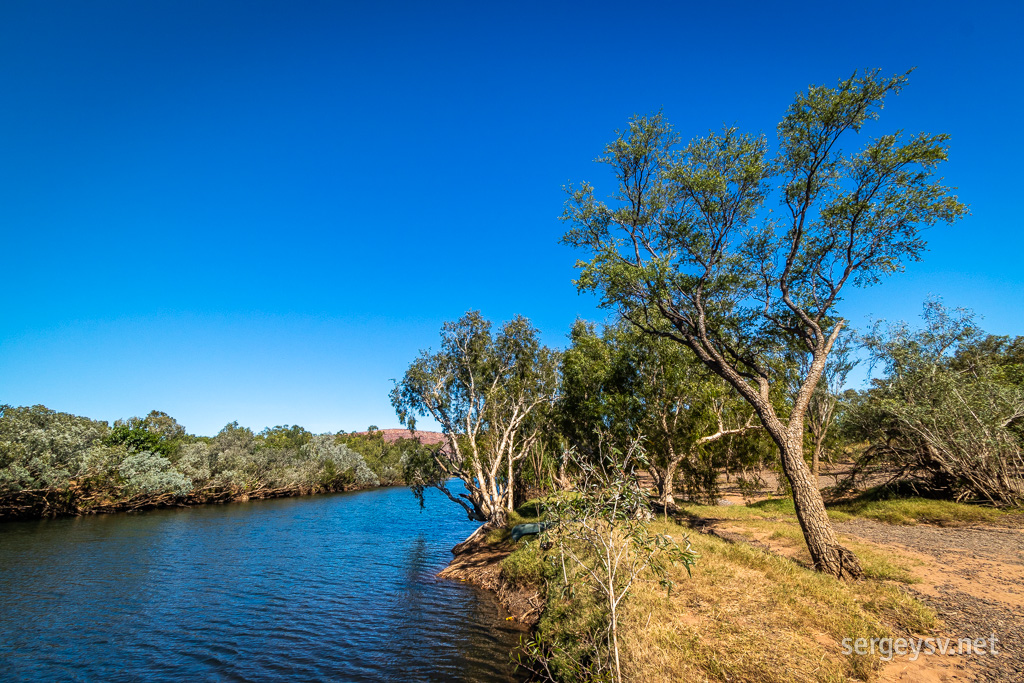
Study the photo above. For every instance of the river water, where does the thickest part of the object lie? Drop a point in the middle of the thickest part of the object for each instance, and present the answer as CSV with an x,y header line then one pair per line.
x,y
332,587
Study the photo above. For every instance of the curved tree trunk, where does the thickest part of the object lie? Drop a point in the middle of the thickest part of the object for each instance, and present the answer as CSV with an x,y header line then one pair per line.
x,y
827,554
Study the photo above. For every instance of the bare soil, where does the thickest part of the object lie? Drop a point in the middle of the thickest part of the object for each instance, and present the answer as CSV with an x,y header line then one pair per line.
x,y
479,563
390,435
973,577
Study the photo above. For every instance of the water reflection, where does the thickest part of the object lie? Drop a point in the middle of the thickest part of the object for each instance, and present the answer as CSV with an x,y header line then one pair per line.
x,y
338,587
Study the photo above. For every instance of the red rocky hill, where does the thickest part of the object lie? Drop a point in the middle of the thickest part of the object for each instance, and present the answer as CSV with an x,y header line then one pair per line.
x,y
428,438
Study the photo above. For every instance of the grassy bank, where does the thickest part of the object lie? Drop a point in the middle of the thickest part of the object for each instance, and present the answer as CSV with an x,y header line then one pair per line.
x,y
745,614
875,504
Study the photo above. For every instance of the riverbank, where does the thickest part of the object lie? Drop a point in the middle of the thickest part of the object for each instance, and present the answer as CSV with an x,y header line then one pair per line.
x,y
75,502
55,464
753,610
478,562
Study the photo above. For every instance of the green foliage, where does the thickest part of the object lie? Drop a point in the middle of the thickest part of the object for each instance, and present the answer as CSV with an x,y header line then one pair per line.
x,y
333,464
285,436
689,249
490,394
949,410
531,510
625,383
149,473
570,641
43,449
55,463
158,433
388,459
603,544
584,409
691,234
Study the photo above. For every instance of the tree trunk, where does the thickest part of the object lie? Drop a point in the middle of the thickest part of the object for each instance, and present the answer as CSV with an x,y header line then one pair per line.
x,y
562,478
499,517
510,486
827,554
666,486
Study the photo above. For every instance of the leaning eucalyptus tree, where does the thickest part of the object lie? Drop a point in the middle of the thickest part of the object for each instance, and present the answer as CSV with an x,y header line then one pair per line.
x,y
489,394
688,249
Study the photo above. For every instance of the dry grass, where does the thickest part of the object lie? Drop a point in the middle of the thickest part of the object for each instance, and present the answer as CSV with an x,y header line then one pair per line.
x,y
747,615
773,522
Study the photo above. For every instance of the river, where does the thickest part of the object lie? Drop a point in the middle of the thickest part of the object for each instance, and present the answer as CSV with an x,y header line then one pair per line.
x,y
333,587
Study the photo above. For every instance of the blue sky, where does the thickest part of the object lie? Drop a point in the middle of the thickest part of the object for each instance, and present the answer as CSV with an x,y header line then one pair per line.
x,y
260,211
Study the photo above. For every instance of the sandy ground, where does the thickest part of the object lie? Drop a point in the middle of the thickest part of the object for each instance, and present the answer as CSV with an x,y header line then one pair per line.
x,y
974,579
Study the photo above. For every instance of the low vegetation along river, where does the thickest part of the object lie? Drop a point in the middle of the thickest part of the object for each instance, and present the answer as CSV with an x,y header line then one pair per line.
x,y
331,587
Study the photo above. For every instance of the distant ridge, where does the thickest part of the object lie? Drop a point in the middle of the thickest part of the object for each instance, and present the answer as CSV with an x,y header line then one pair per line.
x,y
426,438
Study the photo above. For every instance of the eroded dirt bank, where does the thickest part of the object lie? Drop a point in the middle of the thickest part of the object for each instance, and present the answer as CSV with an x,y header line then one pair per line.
x,y
478,562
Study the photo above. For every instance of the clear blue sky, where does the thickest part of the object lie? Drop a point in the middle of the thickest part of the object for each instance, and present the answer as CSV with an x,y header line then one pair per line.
x,y
260,211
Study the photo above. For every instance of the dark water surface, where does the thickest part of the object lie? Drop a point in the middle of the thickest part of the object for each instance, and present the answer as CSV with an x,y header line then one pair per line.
x,y
333,587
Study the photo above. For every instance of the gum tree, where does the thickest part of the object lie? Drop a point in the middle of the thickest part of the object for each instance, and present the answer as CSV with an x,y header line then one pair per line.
x,y
488,393
625,384
688,249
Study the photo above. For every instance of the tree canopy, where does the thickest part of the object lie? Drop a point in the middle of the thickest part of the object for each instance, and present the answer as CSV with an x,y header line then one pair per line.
x,y
690,249
488,393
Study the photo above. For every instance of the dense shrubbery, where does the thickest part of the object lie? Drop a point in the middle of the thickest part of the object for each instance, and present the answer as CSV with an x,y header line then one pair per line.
x,y
949,409
623,384
56,463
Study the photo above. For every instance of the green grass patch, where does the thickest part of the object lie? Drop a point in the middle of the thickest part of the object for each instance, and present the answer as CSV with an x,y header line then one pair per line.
x,y
498,536
504,534
771,509
525,566
882,565
774,506
532,510
874,504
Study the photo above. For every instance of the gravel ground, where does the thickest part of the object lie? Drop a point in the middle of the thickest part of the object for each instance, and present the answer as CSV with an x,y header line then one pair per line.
x,y
968,616
943,543
984,558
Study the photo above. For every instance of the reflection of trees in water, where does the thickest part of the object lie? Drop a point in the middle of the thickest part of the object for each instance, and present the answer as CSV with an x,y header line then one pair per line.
x,y
330,588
